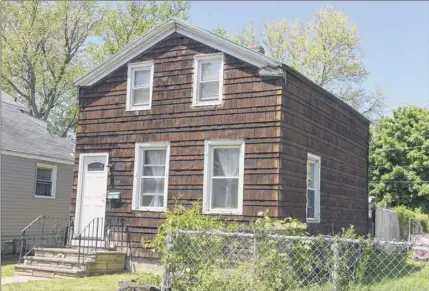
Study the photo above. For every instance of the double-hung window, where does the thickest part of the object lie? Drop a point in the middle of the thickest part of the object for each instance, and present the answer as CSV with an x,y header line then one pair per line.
x,y
139,87
45,180
223,177
151,176
313,188
208,80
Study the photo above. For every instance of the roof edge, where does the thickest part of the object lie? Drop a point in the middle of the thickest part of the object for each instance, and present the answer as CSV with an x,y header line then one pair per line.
x,y
325,92
38,157
162,31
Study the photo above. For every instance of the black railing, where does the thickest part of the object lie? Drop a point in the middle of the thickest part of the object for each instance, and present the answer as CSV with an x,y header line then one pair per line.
x,y
110,233
45,231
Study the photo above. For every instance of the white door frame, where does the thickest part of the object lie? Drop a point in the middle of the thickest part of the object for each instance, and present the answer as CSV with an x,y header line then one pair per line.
x,y
79,187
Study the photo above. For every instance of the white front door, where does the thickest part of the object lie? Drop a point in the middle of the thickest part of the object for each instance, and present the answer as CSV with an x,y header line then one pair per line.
x,y
91,194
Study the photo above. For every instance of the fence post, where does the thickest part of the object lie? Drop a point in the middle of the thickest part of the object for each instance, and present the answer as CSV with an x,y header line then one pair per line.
x,y
409,229
21,252
166,276
334,247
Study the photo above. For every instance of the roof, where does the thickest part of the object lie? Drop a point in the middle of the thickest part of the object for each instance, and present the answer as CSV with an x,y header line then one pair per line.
x,y
267,65
5,98
164,30
26,136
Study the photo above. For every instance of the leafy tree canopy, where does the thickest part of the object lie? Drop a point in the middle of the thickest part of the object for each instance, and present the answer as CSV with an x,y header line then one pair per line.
x,y
399,158
125,21
41,57
327,49
47,45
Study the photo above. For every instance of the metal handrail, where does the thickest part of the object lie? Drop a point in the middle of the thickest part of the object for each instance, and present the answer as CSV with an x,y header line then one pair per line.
x,y
42,234
59,232
31,223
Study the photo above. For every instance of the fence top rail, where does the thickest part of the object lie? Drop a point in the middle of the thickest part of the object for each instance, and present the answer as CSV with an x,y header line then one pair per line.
x,y
296,238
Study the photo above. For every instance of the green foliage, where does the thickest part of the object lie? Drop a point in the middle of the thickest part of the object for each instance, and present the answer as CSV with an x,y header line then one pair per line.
x,y
126,21
288,226
42,57
209,261
327,50
420,220
399,159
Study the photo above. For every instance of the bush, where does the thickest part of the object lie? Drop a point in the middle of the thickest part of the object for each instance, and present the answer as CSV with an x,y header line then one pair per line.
x,y
404,216
229,260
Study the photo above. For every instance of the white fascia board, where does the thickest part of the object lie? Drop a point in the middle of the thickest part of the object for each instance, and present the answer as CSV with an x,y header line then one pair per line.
x,y
37,157
227,46
161,32
125,55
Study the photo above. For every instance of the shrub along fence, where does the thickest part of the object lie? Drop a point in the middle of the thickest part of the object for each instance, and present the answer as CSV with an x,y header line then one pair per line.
x,y
204,260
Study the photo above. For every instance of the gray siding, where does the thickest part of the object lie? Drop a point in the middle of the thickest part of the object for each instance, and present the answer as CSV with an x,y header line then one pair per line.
x,y
19,206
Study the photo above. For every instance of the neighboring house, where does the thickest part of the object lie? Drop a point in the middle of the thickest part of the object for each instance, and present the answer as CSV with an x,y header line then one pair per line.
x,y
36,170
182,113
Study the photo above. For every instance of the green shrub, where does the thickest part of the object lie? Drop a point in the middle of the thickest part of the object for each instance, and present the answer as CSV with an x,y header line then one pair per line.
x,y
404,216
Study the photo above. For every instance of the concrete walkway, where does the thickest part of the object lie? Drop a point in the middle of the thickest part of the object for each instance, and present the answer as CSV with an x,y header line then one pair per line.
x,y
20,279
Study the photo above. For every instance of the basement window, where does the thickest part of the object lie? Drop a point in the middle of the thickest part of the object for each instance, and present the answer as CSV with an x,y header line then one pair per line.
x,y
139,86
313,188
208,80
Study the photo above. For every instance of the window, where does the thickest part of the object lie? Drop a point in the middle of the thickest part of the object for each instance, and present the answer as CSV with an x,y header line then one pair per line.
x,y
139,87
223,177
313,188
208,80
151,176
45,181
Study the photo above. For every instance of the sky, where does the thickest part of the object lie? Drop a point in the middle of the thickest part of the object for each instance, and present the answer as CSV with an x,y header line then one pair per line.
x,y
394,36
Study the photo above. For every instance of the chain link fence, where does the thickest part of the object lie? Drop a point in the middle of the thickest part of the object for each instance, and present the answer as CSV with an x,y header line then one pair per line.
x,y
201,261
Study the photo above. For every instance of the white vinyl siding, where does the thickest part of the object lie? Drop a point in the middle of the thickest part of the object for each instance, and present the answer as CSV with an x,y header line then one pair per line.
x,y
140,86
223,177
151,176
313,188
208,80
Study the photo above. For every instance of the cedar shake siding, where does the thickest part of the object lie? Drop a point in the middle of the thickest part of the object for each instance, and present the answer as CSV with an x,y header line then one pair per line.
x,y
281,118
250,111
314,122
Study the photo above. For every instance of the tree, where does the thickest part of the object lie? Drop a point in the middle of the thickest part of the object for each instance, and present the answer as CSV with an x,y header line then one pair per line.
x,y
41,55
327,50
125,21
399,158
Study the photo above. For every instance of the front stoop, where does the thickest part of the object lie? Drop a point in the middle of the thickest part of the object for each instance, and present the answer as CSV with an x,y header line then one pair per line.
x,y
60,263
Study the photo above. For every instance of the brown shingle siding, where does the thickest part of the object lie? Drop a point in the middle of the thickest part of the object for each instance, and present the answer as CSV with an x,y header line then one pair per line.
x,y
249,111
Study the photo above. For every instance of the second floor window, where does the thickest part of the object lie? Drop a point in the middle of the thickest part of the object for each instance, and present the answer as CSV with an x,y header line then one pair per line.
x,y
208,80
139,87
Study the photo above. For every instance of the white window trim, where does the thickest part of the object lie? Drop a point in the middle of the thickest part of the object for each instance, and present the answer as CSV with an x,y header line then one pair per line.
x,y
196,87
53,179
316,159
132,67
137,175
207,174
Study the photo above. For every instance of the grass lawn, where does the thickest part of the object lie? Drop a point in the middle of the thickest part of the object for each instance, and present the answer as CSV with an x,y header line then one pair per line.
x,y
7,267
96,283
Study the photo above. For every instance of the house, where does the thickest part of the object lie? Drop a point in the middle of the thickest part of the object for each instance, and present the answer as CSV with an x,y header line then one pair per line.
x,y
182,113
36,170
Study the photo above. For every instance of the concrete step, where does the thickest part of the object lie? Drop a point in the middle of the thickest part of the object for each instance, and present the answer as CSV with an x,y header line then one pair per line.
x,y
47,272
62,263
